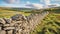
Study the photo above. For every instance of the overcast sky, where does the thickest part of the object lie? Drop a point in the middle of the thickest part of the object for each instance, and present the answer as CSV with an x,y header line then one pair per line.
x,y
27,3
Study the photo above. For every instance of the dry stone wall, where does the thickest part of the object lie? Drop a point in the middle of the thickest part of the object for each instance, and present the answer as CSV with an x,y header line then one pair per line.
x,y
20,24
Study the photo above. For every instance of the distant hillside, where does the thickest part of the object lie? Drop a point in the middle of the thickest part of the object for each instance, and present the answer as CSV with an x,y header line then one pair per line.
x,y
16,9
29,9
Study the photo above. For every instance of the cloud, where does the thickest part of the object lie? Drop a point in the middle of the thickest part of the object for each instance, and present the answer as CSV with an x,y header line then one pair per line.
x,y
12,1
41,0
52,5
34,5
47,2
56,0
27,2
57,4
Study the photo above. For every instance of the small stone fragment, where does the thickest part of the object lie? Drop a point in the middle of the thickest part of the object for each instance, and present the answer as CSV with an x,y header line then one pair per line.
x,y
2,21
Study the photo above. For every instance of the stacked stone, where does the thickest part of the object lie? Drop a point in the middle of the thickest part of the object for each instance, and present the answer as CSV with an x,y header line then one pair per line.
x,y
5,26
20,24
35,19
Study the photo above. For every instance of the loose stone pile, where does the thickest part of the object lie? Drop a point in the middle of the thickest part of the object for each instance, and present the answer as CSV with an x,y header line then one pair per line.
x,y
20,24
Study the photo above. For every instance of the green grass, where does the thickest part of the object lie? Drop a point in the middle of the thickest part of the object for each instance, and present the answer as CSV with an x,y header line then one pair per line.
x,y
49,25
8,14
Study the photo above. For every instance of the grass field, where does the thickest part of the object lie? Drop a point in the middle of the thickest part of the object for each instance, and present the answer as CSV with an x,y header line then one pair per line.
x,y
8,14
49,25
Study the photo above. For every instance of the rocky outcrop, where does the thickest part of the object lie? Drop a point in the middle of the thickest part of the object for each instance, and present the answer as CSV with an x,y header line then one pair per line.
x,y
20,24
